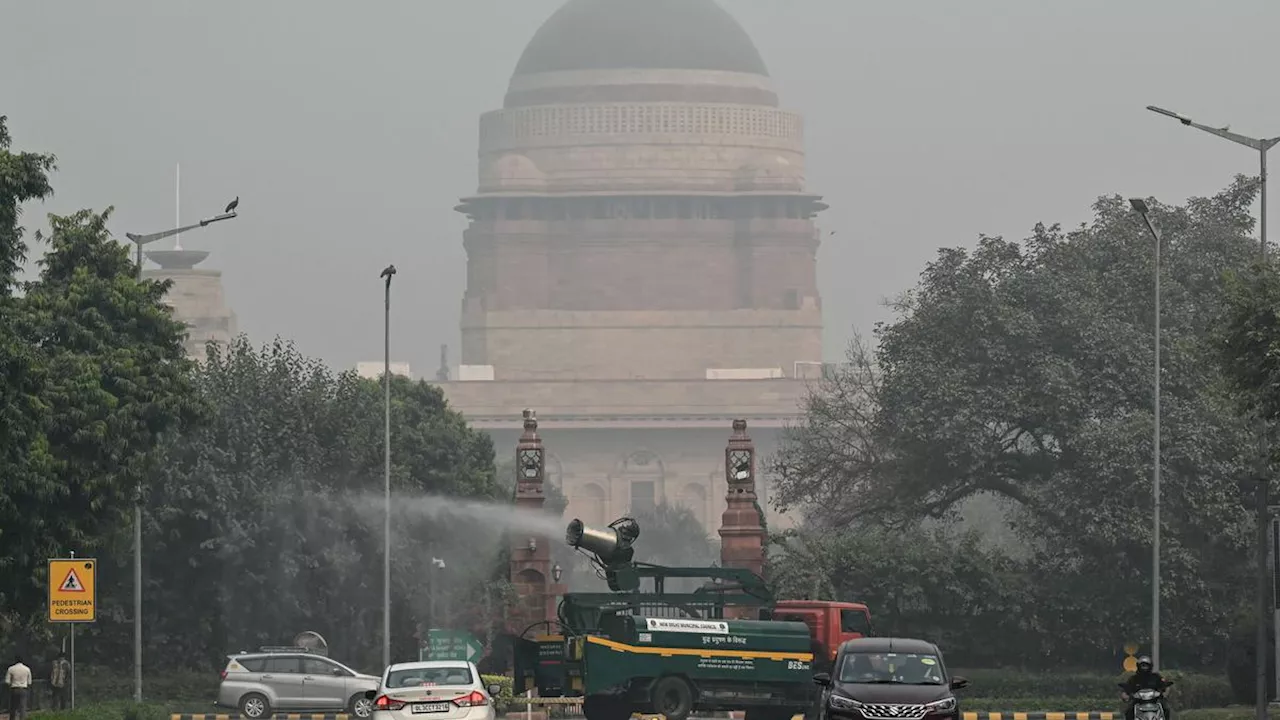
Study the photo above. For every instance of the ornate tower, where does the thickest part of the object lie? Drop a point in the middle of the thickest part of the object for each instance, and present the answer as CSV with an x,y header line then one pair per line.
x,y
742,533
531,554
196,297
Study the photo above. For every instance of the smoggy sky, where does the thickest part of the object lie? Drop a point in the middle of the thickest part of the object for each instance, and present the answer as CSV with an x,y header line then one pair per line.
x,y
349,130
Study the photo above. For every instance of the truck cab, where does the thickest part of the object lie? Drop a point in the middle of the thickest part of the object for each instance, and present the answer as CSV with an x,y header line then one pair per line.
x,y
830,624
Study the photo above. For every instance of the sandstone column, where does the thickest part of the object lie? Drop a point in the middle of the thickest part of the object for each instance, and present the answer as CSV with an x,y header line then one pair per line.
x,y
742,533
530,564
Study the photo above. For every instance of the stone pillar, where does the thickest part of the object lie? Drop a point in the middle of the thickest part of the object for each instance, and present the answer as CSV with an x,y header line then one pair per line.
x,y
742,533
530,569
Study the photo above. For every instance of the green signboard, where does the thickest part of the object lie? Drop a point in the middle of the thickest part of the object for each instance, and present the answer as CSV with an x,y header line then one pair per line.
x,y
451,645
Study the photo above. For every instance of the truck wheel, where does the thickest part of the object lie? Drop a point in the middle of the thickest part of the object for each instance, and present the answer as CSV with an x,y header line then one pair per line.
x,y
672,698
605,707
772,713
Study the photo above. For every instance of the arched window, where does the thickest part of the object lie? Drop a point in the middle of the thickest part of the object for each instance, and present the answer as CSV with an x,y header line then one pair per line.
x,y
643,471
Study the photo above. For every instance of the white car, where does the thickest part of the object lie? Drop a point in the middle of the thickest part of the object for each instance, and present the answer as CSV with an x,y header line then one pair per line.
x,y
432,690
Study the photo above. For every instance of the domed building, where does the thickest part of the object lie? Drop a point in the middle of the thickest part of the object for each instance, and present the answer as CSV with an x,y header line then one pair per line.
x,y
641,255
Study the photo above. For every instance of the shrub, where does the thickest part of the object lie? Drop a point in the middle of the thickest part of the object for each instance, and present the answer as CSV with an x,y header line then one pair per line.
x,y
502,702
111,711
1191,690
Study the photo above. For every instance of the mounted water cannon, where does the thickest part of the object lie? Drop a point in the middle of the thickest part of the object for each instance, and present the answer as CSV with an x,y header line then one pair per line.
x,y
610,550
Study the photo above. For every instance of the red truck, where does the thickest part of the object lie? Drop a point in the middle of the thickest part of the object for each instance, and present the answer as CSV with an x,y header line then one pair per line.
x,y
830,624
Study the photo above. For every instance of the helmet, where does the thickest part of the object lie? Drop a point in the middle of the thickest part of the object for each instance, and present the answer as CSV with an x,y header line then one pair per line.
x,y
1144,663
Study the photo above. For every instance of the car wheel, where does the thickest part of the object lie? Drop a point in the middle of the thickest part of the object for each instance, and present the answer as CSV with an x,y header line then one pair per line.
x,y
360,706
255,706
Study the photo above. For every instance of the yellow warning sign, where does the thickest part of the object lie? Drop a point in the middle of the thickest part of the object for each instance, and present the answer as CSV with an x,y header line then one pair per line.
x,y
73,590
1130,663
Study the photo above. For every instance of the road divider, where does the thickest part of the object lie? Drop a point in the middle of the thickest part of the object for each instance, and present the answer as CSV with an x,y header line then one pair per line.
x,y
1006,715
277,716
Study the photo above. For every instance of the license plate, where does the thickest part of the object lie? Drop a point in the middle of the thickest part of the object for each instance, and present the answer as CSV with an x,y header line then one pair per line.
x,y
429,708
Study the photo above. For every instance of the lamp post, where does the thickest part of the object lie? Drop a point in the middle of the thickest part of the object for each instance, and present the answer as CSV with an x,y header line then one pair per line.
x,y
1141,208
139,241
1261,145
387,273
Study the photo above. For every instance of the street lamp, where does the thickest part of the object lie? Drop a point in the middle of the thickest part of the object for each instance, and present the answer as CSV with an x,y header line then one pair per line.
x,y
556,572
1140,206
1262,145
139,241
387,273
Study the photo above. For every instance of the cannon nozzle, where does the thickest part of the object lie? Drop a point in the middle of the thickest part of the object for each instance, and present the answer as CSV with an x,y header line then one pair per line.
x,y
611,545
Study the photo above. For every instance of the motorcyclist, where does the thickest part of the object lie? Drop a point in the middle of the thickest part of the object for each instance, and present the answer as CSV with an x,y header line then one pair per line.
x,y
1146,678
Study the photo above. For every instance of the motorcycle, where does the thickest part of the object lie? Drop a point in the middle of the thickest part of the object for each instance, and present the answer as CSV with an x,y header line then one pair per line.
x,y
1148,703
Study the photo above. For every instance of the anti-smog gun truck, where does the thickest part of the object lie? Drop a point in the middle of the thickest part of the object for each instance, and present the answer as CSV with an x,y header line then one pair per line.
x,y
641,648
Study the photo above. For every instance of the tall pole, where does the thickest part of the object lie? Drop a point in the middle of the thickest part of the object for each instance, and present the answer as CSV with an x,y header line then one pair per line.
x,y
1262,145
139,241
1262,199
1155,476
1140,206
137,560
388,273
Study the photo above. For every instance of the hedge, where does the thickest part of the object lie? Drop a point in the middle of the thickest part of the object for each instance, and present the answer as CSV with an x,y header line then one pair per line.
x,y
111,711
1190,690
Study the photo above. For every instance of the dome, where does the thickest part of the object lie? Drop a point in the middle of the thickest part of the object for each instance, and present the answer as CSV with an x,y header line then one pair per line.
x,y
641,35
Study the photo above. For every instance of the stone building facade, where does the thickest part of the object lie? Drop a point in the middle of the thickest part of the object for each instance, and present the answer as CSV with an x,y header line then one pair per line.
x,y
196,297
641,255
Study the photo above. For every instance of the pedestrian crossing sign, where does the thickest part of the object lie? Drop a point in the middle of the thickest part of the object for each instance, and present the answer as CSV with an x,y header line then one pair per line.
x,y
73,595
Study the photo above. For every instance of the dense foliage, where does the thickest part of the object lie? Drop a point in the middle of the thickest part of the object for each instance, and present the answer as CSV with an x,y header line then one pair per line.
x,y
92,381
260,472
1019,375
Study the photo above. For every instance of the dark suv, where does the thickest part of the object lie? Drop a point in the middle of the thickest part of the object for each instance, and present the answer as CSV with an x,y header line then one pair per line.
x,y
887,679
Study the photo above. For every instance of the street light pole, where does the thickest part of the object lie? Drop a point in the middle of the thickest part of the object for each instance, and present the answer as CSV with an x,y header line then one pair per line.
x,y
387,273
1141,207
139,241
1261,146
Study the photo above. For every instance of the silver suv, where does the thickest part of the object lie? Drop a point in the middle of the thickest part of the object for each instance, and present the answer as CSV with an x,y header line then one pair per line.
x,y
293,680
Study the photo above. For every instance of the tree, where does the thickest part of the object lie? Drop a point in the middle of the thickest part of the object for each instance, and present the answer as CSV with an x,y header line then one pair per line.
x,y
935,583
1022,371
24,452
275,506
95,378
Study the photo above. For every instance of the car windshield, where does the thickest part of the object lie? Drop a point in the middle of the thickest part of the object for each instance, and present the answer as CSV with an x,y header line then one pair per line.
x,y
891,668
428,676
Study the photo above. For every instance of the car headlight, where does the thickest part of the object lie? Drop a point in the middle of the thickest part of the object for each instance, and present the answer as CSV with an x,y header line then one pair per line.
x,y
840,702
943,705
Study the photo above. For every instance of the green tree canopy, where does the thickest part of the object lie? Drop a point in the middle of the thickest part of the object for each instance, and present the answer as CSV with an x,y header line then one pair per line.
x,y
274,508
93,379
1024,371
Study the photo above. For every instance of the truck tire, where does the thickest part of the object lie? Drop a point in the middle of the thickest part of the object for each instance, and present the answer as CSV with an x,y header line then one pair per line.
x,y
672,698
772,713
605,707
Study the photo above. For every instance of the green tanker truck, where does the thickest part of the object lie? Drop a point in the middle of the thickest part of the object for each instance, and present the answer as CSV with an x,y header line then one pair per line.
x,y
642,648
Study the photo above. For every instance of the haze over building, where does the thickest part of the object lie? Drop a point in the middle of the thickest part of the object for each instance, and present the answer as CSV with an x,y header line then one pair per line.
x,y
641,255
196,297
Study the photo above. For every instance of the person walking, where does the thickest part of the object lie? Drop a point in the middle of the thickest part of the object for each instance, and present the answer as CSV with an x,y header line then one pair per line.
x,y
18,678
59,675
